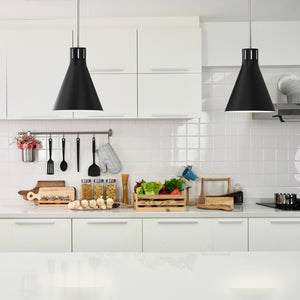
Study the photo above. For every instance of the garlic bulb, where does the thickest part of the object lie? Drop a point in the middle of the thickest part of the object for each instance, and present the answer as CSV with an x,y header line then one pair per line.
x,y
109,203
71,205
84,203
76,204
93,204
100,202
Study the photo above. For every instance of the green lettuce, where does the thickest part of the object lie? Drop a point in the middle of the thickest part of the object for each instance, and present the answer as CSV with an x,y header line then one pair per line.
x,y
152,188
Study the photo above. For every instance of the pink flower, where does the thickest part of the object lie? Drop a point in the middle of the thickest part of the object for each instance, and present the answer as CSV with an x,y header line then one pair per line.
x,y
30,146
25,146
25,137
38,146
20,146
34,143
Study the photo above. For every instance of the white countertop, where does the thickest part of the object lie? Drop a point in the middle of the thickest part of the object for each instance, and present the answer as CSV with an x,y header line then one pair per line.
x,y
250,210
148,276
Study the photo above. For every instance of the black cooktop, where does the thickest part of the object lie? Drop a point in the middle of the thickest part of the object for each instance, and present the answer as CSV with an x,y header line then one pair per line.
x,y
282,207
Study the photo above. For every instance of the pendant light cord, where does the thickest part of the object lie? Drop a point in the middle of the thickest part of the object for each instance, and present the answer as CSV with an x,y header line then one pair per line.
x,y
250,23
77,21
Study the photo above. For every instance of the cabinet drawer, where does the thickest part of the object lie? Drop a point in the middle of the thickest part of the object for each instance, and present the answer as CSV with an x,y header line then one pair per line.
x,y
107,235
37,235
230,235
169,96
176,235
274,234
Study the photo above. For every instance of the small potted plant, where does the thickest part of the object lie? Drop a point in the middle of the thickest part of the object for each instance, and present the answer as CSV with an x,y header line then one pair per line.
x,y
27,143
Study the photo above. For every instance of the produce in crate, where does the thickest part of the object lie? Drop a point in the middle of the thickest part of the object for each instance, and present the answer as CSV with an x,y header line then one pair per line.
x,y
173,184
151,188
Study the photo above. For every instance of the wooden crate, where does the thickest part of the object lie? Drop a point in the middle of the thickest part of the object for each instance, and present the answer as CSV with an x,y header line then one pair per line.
x,y
159,203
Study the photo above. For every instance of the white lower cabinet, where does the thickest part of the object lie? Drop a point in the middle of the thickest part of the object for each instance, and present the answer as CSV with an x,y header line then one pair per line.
x,y
274,234
177,235
35,235
107,235
230,234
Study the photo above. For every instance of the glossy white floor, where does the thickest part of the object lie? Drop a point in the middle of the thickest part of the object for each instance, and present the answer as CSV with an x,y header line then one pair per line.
x,y
149,276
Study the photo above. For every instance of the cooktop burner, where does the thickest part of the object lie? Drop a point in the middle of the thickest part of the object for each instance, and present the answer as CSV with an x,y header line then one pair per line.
x,y
296,206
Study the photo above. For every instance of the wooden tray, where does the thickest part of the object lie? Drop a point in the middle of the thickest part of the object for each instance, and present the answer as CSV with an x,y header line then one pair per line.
x,y
159,203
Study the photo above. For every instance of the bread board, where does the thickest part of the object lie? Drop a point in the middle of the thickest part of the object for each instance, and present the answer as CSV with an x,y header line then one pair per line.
x,y
52,191
216,206
42,183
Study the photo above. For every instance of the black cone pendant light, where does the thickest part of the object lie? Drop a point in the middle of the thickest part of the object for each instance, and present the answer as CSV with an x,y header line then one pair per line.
x,y
250,93
77,91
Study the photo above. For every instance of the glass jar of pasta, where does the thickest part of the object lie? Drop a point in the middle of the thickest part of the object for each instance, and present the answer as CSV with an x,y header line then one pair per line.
x,y
98,188
111,189
86,189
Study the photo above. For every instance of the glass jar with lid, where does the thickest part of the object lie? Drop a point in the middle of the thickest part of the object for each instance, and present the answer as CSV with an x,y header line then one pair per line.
x,y
111,189
98,187
86,189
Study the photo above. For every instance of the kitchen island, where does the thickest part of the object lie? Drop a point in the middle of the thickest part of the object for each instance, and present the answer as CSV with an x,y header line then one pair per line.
x,y
176,276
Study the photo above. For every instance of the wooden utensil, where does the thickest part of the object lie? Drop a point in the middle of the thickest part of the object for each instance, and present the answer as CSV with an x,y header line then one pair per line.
x,y
94,170
216,206
63,164
50,163
42,183
52,191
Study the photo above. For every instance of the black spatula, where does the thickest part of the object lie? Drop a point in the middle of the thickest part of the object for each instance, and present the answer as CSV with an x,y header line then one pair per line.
x,y
50,163
94,170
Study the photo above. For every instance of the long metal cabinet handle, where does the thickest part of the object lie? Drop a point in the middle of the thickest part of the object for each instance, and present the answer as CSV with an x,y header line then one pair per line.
x,y
178,222
169,70
31,222
169,115
106,222
107,116
285,221
230,221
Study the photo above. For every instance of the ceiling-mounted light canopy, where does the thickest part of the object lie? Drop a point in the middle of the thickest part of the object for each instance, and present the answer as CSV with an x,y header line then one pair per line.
x,y
250,92
77,91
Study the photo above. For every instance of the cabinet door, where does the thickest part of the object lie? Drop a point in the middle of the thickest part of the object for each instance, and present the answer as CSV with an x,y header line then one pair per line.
x,y
230,235
169,50
36,235
110,50
37,61
169,96
2,84
118,96
177,235
274,234
107,235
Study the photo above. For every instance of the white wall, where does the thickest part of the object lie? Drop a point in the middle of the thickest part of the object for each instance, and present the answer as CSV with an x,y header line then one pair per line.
x,y
263,156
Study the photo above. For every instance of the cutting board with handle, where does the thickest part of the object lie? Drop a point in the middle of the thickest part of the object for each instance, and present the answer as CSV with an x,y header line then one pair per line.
x,y
42,183
52,191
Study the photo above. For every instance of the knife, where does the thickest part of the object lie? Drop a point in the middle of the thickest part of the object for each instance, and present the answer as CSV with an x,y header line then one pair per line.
x,y
78,151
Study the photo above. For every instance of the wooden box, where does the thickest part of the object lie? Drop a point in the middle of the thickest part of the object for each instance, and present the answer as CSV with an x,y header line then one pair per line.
x,y
159,203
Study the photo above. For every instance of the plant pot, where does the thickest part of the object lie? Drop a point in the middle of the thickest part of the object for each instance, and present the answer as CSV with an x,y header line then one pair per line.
x,y
27,155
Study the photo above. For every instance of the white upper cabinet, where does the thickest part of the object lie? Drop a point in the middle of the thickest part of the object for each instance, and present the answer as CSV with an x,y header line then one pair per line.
x,y
169,50
169,95
37,61
110,50
2,83
117,94
112,62
223,43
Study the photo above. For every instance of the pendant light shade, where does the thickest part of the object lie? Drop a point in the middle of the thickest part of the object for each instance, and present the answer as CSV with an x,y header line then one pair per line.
x,y
250,92
77,91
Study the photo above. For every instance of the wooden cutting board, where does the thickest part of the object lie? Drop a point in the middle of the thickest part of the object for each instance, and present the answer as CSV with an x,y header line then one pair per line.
x,y
52,191
42,183
216,206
